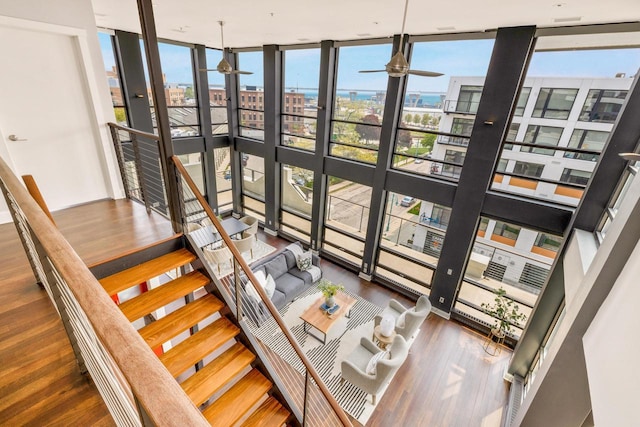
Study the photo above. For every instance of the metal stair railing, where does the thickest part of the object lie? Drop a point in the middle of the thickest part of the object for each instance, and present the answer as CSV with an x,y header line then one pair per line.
x,y
306,393
136,388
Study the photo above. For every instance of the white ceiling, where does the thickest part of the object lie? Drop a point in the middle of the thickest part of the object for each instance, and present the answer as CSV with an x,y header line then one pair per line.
x,y
251,23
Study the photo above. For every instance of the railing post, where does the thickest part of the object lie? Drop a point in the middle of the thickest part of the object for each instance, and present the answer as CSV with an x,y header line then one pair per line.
x,y
144,417
238,286
139,174
305,397
117,145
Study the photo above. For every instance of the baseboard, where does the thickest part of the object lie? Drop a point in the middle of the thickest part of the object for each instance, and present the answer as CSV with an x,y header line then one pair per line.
x,y
270,232
441,313
365,276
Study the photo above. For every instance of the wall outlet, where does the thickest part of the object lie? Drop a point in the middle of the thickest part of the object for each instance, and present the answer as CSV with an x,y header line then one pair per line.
x,y
449,272
441,300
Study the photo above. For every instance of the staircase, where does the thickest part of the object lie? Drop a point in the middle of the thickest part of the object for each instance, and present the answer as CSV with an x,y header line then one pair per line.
x,y
213,368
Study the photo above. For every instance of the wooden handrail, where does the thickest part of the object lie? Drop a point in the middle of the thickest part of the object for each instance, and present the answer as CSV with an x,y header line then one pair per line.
x,y
265,299
156,390
33,189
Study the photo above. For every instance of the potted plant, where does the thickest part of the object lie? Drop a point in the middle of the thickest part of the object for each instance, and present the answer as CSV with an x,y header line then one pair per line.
x,y
329,290
505,313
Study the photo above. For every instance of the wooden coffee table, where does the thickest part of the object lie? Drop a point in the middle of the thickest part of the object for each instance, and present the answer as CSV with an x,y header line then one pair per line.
x,y
317,319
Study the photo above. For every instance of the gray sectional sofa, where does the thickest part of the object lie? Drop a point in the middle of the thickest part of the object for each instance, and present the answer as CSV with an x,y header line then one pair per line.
x,y
290,281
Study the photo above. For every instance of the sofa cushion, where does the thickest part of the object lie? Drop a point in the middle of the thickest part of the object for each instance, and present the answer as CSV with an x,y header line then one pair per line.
x,y
291,259
291,285
279,299
302,275
276,267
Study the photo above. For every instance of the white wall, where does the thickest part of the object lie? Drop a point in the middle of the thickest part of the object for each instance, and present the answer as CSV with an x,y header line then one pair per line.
x,y
76,164
611,348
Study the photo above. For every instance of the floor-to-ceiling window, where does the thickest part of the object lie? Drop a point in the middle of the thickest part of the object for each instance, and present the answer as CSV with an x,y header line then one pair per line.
x,y
359,102
507,256
438,112
573,97
300,98
296,203
412,238
179,90
346,218
217,94
251,95
253,185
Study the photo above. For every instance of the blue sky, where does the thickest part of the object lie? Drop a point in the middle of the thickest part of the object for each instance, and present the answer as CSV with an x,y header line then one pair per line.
x,y
453,58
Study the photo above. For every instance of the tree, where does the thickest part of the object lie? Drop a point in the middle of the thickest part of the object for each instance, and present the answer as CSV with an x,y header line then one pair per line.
x,y
121,116
425,119
188,93
416,118
407,118
404,138
428,140
367,132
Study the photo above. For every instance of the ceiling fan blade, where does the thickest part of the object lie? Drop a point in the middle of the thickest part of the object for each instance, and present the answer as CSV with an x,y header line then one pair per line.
x,y
372,71
424,73
208,69
241,72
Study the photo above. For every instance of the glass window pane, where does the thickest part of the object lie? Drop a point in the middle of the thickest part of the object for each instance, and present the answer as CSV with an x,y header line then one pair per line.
x,y
572,104
347,207
251,95
603,105
253,176
301,70
359,102
222,159
193,164
113,78
217,94
510,257
437,112
297,190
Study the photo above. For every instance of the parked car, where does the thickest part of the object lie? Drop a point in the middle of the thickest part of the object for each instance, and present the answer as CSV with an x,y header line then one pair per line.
x,y
418,161
407,201
245,159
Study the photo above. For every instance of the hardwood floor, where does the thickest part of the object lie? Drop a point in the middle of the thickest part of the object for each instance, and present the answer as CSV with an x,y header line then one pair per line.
x,y
40,383
447,379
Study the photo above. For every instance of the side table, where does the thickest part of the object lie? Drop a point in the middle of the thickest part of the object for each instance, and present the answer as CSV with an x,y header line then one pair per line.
x,y
381,340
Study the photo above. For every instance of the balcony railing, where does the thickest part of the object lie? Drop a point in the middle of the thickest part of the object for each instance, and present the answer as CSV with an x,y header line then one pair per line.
x,y
465,107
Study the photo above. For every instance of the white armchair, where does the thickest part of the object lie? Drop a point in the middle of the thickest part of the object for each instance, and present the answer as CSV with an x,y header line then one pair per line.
x,y
246,244
252,222
218,256
354,367
413,317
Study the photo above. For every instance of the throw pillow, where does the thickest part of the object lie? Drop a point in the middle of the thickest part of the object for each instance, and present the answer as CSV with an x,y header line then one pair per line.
x,y
304,261
270,286
373,363
251,291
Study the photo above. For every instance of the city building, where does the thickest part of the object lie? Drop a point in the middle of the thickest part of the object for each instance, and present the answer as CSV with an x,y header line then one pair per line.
x,y
520,186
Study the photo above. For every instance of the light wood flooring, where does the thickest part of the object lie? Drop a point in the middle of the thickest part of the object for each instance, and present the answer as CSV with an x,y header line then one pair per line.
x,y
447,379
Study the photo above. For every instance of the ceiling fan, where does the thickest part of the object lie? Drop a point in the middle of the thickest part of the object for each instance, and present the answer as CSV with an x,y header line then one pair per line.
x,y
398,66
223,66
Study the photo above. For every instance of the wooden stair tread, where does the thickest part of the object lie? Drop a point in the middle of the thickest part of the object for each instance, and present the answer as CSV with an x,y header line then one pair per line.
x,y
197,346
145,271
207,381
238,400
270,413
158,297
180,320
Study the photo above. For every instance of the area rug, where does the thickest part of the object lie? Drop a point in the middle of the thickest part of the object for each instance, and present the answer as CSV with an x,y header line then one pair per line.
x,y
342,338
